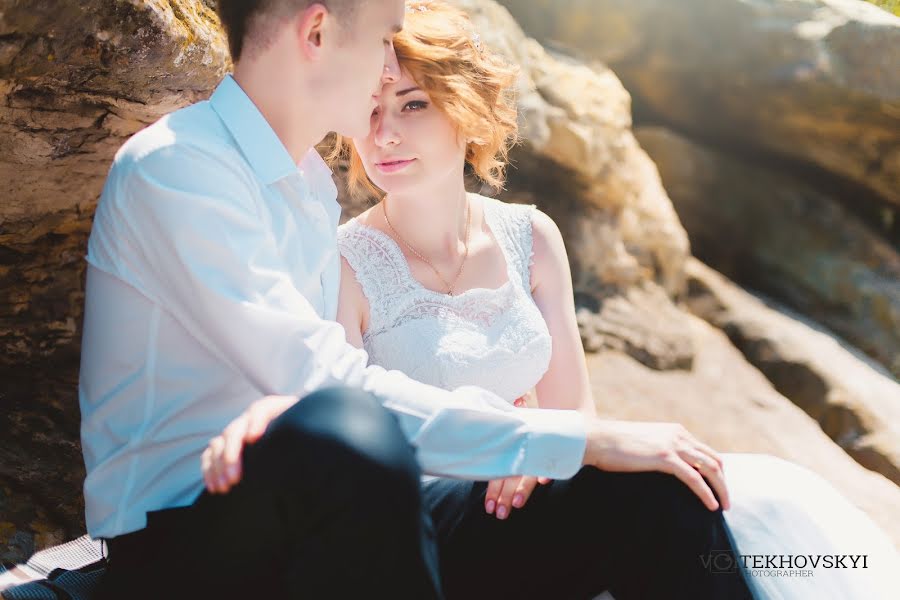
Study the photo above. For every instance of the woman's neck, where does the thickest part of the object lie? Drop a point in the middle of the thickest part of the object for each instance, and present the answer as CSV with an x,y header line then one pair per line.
x,y
433,221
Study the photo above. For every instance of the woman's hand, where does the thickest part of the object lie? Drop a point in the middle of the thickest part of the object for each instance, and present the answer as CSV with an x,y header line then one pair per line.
x,y
510,492
667,447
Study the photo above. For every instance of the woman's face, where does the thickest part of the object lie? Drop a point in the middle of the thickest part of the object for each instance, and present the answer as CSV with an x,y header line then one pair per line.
x,y
411,143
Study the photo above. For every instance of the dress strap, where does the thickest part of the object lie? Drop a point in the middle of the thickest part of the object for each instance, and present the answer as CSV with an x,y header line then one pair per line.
x,y
380,270
511,225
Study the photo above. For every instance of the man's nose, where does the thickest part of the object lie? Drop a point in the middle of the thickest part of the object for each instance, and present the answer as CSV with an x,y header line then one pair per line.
x,y
391,65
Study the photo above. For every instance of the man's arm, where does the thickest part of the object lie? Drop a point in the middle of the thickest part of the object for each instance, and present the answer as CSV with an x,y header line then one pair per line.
x,y
189,230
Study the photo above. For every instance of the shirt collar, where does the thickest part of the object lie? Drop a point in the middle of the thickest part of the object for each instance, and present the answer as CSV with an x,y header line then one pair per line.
x,y
254,136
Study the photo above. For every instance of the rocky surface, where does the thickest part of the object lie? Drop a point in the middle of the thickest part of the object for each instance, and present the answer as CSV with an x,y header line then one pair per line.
x,y
622,230
816,81
77,78
855,402
789,103
778,234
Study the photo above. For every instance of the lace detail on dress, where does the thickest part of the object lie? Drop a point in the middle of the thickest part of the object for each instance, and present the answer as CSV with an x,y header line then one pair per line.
x,y
494,338
514,223
379,272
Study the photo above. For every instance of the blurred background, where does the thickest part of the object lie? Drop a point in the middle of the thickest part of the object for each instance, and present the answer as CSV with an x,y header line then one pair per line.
x,y
726,174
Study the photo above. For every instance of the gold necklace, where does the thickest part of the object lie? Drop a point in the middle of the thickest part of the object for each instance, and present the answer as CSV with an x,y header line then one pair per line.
x,y
425,260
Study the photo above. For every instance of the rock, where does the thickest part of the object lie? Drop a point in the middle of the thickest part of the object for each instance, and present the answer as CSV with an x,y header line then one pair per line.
x,y
815,81
581,162
642,323
731,406
787,239
41,468
76,79
856,403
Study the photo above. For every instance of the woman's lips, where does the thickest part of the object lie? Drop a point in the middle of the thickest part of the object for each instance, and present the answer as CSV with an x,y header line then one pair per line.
x,y
392,166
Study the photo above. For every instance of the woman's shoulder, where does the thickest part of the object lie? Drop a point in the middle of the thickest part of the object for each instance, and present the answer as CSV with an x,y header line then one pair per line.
x,y
526,222
533,232
367,250
358,229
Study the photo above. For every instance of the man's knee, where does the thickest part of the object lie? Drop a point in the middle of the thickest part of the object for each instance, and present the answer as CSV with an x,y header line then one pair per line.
x,y
340,431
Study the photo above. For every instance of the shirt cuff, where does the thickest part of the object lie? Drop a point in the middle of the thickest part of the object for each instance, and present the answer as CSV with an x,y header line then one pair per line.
x,y
556,444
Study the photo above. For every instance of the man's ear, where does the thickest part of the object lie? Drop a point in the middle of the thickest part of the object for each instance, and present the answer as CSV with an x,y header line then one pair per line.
x,y
311,25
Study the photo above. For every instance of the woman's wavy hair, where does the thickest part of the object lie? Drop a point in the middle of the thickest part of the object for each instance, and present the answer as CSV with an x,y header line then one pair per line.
x,y
471,84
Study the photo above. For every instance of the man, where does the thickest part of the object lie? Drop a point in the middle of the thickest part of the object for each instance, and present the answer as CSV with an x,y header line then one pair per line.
x,y
212,282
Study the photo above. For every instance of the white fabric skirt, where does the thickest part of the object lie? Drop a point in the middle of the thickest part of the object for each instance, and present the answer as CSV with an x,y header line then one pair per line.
x,y
791,514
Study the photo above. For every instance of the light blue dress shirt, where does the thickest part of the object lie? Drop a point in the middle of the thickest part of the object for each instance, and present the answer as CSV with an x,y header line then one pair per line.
x,y
213,280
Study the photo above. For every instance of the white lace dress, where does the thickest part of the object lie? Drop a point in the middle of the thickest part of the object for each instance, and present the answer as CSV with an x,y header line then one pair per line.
x,y
498,340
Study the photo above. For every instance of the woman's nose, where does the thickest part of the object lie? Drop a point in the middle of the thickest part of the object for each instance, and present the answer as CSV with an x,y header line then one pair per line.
x,y
386,133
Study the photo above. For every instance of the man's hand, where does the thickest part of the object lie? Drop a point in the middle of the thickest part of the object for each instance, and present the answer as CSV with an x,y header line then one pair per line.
x,y
667,447
221,460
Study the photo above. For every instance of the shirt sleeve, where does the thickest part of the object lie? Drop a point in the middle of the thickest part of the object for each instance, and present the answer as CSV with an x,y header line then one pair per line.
x,y
187,232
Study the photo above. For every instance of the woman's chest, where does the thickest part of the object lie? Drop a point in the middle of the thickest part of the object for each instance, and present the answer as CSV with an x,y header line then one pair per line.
x,y
496,340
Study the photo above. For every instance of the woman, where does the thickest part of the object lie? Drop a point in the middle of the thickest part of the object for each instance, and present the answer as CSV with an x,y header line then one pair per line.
x,y
454,288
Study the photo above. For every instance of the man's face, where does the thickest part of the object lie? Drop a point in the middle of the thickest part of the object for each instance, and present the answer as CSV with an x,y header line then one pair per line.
x,y
363,60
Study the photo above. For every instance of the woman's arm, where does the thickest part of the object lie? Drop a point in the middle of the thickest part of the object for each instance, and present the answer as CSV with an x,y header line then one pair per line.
x,y
353,307
566,383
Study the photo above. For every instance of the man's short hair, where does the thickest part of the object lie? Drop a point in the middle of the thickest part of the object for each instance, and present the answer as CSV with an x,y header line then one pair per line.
x,y
254,20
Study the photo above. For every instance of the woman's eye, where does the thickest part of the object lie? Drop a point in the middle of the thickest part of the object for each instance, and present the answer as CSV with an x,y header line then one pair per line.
x,y
416,105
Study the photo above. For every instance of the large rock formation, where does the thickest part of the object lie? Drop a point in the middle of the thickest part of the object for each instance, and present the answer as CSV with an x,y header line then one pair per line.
x,y
814,80
855,402
807,94
77,78
777,233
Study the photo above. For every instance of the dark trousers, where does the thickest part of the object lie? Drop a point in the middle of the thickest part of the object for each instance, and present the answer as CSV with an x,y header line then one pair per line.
x,y
331,506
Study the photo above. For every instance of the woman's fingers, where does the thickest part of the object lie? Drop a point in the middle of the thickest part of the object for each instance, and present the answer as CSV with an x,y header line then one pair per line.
x,y
710,453
503,495
692,478
709,468
523,491
504,501
491,495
